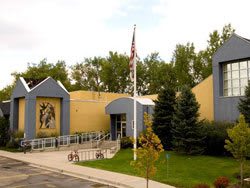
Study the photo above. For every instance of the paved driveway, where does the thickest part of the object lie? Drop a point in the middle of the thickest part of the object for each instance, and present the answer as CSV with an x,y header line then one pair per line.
x,y
16,174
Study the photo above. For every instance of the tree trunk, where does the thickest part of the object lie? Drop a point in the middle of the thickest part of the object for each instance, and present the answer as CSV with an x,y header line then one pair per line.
x,y
241,173
147,173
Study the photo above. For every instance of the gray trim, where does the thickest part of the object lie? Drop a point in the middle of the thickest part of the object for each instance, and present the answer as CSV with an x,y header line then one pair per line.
x,y
30,117
14,106
65,116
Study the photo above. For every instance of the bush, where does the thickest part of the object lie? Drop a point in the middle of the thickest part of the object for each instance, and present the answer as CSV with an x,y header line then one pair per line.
x,y
18,134
15,139
201,185
4,131
221,182
216,134
126,142
246,173
43,134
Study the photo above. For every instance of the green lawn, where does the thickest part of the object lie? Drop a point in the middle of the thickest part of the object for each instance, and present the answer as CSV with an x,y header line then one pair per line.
x,y
11,149
184,171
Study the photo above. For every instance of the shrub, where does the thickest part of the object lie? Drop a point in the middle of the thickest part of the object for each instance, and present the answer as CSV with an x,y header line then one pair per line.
x,y
126,142
54,134
18,134
221,182
15,139
4,131
216,134
246,173
201,185
43,134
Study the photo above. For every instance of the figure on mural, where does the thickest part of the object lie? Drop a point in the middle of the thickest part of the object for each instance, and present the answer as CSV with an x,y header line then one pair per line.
x,y
47,116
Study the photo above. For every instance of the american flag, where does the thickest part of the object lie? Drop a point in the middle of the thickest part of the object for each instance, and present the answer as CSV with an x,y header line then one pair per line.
x,y
132,57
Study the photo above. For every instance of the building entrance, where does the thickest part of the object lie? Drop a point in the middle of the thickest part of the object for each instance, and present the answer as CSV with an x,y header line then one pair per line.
x,y
121,125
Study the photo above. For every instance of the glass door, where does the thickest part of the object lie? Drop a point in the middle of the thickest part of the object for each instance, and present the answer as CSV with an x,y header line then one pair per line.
x,y
121,125
118,130
123,132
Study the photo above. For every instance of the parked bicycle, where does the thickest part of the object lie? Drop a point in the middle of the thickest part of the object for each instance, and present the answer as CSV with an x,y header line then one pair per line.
x,y
73,156
26,146
99,155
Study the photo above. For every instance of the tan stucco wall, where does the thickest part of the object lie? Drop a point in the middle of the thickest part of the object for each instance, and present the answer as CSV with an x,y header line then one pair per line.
x,y
21,114
87,110
56,103
152,97
204,95
92,95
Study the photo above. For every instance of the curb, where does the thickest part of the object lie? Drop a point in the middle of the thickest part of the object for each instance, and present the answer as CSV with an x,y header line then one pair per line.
x,y
82,176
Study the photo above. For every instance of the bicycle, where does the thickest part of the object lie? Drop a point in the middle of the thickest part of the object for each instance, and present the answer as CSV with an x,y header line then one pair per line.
x,y
73,155
99,155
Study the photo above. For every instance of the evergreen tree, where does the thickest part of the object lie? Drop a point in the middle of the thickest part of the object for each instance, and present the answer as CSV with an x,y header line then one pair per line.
x,y
187,131
244,104
163,116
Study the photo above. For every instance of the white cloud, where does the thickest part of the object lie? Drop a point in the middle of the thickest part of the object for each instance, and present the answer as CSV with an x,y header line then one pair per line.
x,y
73,29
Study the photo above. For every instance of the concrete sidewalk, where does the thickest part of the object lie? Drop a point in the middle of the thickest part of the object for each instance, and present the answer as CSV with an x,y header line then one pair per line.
x,y
57,161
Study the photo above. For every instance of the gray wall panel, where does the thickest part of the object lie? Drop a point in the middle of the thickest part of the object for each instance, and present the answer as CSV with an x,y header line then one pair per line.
x,y
65,117
30,118
236,48
233,49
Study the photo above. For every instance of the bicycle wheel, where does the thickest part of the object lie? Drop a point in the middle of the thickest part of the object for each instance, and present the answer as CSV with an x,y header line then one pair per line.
x,y
97,155
101,156
77,158
70,157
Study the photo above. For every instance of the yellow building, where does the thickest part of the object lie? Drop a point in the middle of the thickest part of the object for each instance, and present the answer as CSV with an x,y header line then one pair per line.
x,y
46,107
87,110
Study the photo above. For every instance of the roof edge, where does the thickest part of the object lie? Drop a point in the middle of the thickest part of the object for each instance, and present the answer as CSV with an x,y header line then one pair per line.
x,y
40,83
25,84
233,35
62,86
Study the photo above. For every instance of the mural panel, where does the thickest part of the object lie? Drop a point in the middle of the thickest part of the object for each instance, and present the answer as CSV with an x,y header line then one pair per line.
x,y
47,116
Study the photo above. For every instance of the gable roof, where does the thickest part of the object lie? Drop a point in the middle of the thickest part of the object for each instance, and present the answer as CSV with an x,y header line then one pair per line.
x,y
235,48
31,82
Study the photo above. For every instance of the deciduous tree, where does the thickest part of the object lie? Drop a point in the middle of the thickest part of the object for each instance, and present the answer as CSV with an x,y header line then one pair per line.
x,y
239,143
149,152
43,69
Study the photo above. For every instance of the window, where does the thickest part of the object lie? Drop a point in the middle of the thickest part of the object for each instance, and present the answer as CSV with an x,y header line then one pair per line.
x,y
235,78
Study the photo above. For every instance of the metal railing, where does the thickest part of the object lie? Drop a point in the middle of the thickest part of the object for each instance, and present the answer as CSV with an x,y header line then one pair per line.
x,y
93,138
96,154
90,136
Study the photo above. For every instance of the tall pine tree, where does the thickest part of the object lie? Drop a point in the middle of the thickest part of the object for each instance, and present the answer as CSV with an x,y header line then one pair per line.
x,y
163,116
244,104
187,137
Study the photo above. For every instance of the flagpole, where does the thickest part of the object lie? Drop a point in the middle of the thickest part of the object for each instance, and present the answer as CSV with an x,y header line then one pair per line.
x,y
135,126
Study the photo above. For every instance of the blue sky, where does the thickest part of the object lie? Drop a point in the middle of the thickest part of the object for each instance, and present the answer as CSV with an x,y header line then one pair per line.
x,y
70,30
